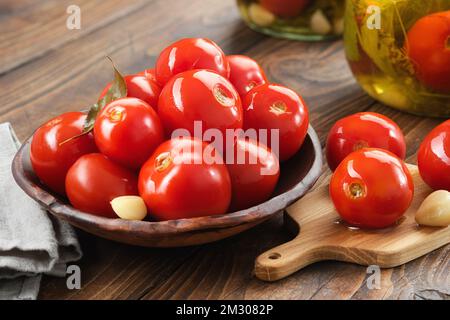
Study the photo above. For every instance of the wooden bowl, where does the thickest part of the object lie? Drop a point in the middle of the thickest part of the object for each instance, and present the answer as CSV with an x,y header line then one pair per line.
x,y
297,176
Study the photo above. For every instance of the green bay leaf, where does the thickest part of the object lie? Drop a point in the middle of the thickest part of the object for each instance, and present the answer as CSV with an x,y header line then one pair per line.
x,y
117,90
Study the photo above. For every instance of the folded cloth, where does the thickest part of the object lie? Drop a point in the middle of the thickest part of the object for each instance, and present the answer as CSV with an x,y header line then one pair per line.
x,y
31,241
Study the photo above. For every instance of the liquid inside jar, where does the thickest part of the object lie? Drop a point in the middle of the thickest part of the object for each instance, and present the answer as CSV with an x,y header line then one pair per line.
x,y
399,52
308,20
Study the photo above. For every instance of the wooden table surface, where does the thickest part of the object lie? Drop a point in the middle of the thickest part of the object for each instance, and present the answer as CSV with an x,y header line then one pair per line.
x,y
46,69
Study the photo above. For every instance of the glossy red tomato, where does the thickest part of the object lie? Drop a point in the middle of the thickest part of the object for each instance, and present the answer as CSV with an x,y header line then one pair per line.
x,y
285,8
434,157
271,106
428,48
50,159
371,188
141,87
94,180
200,95
149,73
245,74
176,182
128,130
188,54
361,130
254,172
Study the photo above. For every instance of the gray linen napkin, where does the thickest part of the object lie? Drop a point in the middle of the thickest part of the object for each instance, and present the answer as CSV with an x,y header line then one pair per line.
x,y
31,241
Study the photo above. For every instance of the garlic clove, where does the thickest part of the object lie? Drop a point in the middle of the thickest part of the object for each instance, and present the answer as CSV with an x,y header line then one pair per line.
x,y
260,16
129,207
319,23
435,210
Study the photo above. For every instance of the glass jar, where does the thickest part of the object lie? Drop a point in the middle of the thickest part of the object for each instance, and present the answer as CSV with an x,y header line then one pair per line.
x,y
399,52
308,20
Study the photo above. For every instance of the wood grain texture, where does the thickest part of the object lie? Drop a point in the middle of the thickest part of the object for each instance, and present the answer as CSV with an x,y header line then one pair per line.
x,y
32,32
70,77
324,236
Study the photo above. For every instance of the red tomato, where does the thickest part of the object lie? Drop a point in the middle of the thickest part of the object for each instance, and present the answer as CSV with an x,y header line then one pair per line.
x,y
176,182
254,172
271,106
428,48
94,180
371,188
285,8
141,87
149,74
188,54
50,159
245,74
361,130
128,130
200,95
434,157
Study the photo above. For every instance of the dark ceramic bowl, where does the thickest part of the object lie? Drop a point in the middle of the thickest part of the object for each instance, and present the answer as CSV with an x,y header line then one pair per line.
x,y
297,176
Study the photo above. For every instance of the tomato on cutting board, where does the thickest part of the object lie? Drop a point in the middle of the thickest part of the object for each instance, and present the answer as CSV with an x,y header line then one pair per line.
x,y
428,47
271,106
200,95
245,74
254,172
371,188
128,130
434,157
362,130
94,181
176,182
285,8
50,157
189,54
141,87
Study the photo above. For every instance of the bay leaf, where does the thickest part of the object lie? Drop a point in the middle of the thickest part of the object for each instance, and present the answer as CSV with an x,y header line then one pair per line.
x,y
117,90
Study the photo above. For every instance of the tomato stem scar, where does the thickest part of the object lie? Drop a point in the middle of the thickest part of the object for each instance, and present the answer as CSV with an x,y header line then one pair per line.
x,y
163,161
222,97
116,115
356,190
360,144
278,107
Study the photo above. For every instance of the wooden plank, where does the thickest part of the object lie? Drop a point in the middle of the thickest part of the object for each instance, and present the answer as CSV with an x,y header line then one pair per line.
x,y
116,271
220,268
30,31
8,9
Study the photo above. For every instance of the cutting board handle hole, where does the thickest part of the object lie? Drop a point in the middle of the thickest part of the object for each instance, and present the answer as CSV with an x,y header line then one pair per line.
x,y
275,256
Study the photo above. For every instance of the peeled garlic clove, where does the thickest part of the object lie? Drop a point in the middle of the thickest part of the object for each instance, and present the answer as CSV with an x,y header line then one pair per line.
x,y
319,23
260,16
129,207
435,210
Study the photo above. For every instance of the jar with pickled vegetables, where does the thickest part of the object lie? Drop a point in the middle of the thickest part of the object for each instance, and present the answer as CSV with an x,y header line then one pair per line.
x,y
399,52
307,20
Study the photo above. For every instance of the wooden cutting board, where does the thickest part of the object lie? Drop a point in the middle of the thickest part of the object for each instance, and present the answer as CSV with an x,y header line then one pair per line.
x,y
323,236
